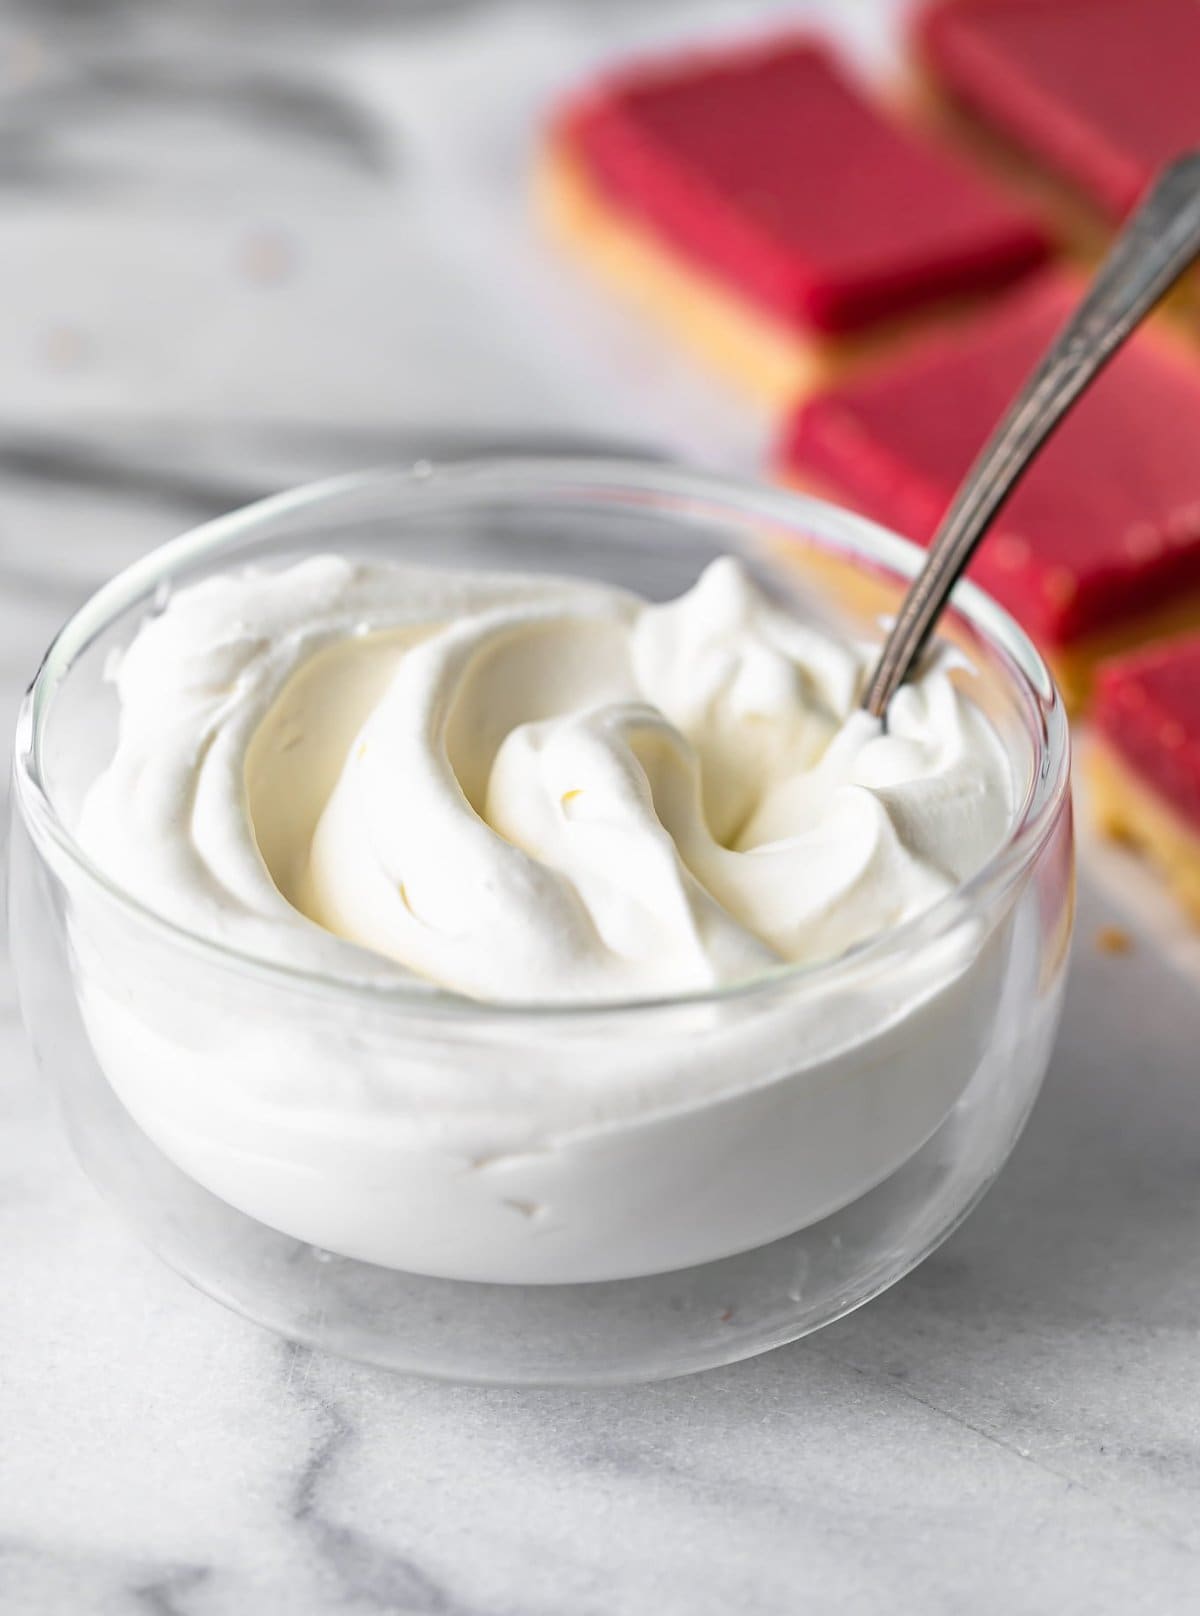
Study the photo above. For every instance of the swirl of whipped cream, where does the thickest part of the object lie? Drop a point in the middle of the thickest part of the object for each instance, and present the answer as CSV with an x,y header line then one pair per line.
x,y
530,789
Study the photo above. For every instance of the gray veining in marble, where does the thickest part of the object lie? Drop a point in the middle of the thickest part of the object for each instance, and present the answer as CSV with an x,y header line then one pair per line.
x,y
202,296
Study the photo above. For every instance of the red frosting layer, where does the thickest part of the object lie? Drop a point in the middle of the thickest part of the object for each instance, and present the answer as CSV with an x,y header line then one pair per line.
x,y
1147,708
1106,523
1101,91
770,170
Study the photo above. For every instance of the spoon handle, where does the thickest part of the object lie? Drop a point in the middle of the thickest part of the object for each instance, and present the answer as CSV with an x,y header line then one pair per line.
x,y
1160,241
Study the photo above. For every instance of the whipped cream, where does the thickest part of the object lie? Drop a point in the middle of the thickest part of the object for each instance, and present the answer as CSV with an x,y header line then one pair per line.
x,y
533,789
530,789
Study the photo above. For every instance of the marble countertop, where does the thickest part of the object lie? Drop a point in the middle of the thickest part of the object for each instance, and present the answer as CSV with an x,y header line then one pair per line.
x,y
242,245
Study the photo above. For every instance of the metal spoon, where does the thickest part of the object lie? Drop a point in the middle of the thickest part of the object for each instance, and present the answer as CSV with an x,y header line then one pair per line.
x,y
1159,242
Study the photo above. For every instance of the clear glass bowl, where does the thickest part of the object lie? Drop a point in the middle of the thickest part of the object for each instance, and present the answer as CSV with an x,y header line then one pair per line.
x,y
808,1191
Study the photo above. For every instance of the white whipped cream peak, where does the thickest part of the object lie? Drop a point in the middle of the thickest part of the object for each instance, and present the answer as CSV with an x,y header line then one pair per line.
x,y
530,789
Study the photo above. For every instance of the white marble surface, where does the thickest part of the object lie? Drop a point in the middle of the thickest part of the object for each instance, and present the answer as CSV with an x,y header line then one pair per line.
x,y
1015,1428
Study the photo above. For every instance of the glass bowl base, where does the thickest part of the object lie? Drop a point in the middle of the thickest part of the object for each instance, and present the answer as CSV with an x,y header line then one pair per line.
x,y
615,1332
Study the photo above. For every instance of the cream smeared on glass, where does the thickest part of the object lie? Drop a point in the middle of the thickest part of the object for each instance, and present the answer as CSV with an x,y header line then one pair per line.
x,y
530,788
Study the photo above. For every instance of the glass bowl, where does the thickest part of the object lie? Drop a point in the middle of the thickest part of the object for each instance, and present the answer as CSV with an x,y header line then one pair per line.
x,y
203,1090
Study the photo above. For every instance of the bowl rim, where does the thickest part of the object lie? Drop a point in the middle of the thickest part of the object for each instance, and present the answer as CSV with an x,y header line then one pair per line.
x,y
811,518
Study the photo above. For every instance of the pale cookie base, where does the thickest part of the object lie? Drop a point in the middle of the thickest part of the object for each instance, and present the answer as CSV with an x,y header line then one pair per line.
x,y
1128,809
